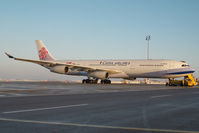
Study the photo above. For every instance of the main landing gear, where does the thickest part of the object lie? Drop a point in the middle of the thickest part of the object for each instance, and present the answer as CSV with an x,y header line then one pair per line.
x,y
94,81
106,81
89,81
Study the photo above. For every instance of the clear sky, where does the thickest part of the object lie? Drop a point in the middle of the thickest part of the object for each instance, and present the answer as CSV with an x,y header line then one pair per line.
x,y
96,29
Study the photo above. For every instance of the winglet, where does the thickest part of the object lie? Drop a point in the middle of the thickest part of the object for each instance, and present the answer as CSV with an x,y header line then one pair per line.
x,y
10,56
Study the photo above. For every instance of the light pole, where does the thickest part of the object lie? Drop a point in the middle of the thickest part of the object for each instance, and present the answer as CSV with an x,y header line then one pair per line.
x,y
148,38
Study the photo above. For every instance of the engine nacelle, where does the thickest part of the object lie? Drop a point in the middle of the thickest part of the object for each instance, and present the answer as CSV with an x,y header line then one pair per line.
x,y
98,74
60,69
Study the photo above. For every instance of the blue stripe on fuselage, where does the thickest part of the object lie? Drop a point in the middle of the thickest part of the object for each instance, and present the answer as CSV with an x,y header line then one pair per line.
x,y
176,73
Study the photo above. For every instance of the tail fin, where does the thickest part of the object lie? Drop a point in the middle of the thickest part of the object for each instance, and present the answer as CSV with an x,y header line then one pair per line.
x,y
43,52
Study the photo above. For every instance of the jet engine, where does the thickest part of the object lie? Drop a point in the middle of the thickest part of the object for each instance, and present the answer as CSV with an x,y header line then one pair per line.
x,y
60,69
98,74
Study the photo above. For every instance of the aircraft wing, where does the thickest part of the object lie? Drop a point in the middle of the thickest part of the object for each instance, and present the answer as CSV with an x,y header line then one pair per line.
x,y
47,63
87,69
54,63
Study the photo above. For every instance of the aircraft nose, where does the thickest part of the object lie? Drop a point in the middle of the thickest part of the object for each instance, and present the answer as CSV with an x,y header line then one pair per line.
x,y
192,69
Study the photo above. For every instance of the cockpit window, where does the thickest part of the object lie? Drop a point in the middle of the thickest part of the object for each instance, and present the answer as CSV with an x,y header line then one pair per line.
x,y
185,65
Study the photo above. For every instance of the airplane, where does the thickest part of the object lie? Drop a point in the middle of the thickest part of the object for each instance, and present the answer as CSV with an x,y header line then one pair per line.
x,y
106,69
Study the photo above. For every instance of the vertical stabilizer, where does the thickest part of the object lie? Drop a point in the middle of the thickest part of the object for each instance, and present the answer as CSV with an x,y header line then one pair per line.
x,y
43,51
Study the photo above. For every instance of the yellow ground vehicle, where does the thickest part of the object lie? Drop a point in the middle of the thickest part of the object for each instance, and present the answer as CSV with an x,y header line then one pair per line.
x,y
188,81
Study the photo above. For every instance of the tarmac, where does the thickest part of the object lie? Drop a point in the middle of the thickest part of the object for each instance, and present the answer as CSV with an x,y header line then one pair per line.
x,y
75,108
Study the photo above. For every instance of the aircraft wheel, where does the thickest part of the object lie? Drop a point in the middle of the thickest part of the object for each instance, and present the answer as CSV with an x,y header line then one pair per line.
x,y
108,81
89,81
83,81
105,81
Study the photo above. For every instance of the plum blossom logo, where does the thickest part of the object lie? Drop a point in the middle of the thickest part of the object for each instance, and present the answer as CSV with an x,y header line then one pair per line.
x,y
43,53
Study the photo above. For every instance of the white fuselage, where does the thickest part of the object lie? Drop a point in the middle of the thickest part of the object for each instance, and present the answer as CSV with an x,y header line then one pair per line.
x,y
104,69
130,69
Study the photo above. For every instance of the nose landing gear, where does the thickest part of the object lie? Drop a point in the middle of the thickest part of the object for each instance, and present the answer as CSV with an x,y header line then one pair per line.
x,y
188,81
